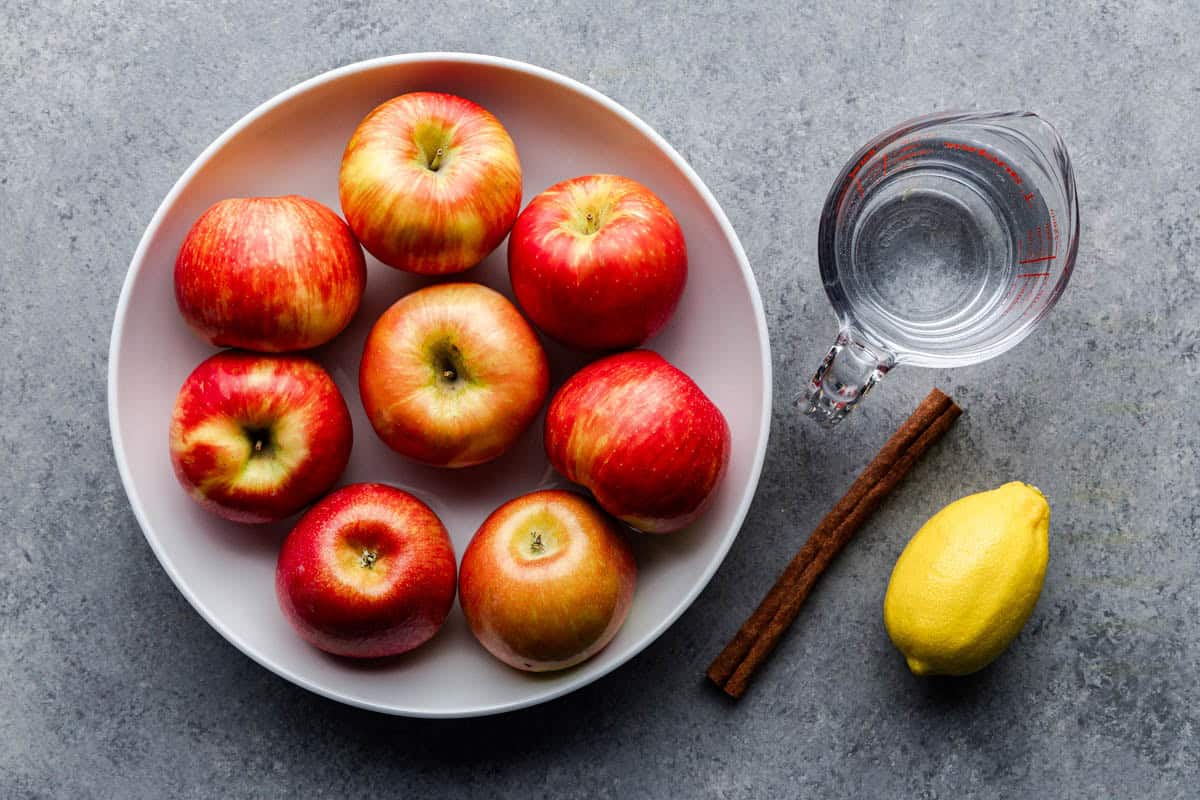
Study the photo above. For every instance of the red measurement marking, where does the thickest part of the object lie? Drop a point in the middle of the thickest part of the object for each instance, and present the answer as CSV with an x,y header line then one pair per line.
x,y
1033,304
862,162
854,174
885,163
1016,300
1029,197
1035,260
1020,294
908,153
982,152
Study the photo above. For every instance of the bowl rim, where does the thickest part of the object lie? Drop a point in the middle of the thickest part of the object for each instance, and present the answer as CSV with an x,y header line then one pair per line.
x,y
137,263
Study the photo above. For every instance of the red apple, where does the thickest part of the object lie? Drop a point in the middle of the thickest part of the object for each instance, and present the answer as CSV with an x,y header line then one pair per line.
x,y
255,438
597,262
452,374
547,581
367,572
430,183
642,436
272,274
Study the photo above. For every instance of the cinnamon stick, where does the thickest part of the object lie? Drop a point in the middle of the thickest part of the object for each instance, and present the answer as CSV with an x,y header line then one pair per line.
x,y
729,659
736,664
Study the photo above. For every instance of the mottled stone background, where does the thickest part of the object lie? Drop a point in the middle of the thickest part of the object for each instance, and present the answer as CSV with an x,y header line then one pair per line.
x,y
112,686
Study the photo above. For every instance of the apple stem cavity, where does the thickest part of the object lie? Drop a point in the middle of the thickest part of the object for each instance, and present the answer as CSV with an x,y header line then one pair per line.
x,y
436,161
261,440
447,361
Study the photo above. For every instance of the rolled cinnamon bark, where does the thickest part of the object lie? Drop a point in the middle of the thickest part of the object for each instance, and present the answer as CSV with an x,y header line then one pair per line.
x,y
736,665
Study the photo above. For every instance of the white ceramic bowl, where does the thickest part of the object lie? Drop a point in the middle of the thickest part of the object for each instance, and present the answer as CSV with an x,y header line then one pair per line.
x,y
293,144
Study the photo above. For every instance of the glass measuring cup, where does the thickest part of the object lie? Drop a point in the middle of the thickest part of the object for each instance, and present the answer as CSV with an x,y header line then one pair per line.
x,y
944,242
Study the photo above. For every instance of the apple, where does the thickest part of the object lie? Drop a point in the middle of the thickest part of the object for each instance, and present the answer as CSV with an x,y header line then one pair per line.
x,y
642,437
452,374
597,262
547,581
255,438
430,183
272,274
367,572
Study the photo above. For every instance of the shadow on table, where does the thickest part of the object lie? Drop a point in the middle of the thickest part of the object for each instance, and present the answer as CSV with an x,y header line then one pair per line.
x,y
949,693
597,710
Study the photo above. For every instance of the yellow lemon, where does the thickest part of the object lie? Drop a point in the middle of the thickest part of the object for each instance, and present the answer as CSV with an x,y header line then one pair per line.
x,y
964,586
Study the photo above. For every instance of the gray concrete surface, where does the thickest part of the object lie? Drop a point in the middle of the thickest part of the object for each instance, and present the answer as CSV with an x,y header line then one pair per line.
x,y
112,687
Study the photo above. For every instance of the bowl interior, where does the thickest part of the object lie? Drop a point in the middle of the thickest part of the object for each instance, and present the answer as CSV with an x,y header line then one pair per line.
x,y
293,144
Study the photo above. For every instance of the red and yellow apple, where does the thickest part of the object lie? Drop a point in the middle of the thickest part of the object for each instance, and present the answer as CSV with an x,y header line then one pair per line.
x,y
547,581
430,183
597,262
642,437
272,274
367,572
255,438
452,374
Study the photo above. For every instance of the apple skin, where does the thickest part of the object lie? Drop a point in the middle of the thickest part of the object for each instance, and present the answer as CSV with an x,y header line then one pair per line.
x,y
452,375
642,437
289,405
598,262
367,572
271,274
420,212
547,581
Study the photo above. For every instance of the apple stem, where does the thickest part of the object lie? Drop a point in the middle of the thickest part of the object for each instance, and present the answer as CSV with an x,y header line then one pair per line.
x,y
437,158
369,557
536,545
258,445
449,374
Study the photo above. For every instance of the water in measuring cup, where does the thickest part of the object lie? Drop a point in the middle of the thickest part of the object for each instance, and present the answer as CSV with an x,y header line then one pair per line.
x,y
934,254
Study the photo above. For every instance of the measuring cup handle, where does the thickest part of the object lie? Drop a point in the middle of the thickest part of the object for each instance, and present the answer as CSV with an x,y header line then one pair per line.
x,y
844,377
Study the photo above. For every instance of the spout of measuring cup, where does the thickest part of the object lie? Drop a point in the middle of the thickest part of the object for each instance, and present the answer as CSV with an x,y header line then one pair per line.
x,y
850,370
